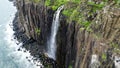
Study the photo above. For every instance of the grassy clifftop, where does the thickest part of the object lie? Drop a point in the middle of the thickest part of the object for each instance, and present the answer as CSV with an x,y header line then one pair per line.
x,y
73,8
80,11
86,27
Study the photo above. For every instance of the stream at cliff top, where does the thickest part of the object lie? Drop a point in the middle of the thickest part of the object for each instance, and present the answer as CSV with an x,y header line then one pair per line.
x,y
10,57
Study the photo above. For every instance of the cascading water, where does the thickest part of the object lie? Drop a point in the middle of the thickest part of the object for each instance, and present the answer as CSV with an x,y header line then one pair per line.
x,y
52,41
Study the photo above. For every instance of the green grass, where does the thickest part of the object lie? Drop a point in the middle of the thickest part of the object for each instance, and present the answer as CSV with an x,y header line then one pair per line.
x,y
117,2
74,11
104,56
116,47
37,31
70,66
56,3
36,1
75,15
68,12
96,7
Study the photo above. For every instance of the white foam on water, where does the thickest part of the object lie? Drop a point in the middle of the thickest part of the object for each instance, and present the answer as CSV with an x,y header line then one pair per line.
x,y
19,56
94,58
0,25
94,61
117,62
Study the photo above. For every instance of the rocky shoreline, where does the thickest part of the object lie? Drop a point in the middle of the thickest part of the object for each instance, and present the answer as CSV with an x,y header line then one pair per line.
x,y
75,43
31,45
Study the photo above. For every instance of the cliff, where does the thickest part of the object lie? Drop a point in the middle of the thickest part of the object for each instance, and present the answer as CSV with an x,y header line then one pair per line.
x,y
86,29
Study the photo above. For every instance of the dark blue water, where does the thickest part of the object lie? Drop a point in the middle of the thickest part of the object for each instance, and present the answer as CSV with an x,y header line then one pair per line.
x,y
9,56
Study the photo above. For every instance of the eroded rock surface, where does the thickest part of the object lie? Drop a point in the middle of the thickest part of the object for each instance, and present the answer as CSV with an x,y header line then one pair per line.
x,y
75,44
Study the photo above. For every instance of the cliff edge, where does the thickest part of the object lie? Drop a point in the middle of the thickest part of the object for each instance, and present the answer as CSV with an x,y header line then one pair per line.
x,y
88,29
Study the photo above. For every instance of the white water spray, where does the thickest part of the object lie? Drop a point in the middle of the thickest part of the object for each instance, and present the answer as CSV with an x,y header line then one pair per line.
x,y
52,41
94,61
117,61
19,57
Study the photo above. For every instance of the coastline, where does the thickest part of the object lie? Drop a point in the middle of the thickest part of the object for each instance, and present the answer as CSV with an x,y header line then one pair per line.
x,y
21,55
29,44
32,27
17,44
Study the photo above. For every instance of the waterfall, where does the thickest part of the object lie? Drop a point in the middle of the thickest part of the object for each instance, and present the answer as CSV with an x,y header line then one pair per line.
x,y
52,41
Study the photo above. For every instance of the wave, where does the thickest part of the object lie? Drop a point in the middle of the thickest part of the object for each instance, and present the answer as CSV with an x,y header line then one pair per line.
x,y
23,57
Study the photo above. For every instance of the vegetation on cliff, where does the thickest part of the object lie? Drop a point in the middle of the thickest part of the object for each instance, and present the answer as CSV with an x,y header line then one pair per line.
x,y
80,11
86,28
36,1
84,13
37,31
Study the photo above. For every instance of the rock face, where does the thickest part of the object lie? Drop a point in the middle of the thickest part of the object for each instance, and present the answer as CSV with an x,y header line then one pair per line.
x,y
75,45
81,43
34,22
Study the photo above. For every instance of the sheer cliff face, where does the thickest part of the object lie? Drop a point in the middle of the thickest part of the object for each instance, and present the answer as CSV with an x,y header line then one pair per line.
x,y
34,20
81,44
75,44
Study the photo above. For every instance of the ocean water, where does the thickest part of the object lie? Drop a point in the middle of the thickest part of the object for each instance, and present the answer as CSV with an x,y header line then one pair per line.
x,y
10,57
